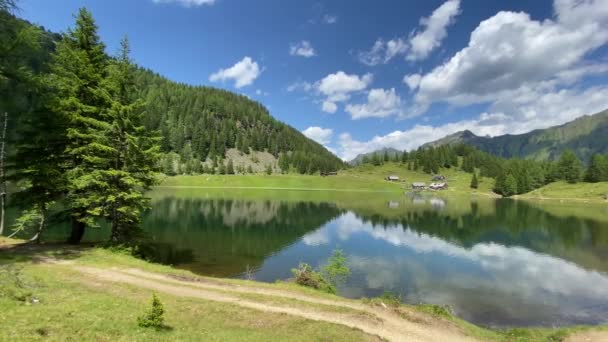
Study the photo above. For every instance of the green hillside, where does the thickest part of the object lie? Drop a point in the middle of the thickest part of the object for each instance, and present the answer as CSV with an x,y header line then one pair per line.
x,y
585,136
199,123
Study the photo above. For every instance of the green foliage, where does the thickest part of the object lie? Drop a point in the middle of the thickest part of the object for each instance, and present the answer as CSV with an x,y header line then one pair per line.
x,y
474,181
598,169
230,167
569,167
437,310
390,299
268,169
305,275
336,270
154,317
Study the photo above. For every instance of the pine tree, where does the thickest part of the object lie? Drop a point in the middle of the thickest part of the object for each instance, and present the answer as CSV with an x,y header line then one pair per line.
x,y
268,169
474,181
230,167
135,151
79,70
597,170
569,167
509,186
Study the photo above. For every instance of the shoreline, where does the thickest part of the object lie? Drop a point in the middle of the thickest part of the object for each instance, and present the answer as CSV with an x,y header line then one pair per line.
x,y
119,271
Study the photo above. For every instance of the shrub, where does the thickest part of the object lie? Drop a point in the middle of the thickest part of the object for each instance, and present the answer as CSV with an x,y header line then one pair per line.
x,y
336,271
306,276
154,317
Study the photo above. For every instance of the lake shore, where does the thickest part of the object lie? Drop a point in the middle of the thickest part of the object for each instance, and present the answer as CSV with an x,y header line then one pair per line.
x,y
372,181
109,289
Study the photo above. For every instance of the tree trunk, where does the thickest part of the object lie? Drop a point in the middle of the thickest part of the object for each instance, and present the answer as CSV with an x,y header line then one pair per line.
x,y
36,238
2,181
77,232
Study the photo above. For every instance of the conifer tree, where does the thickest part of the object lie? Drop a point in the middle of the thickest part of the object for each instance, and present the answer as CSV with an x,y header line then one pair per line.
x,y
474,181
569,167
597,170
134,152
230,167
79,70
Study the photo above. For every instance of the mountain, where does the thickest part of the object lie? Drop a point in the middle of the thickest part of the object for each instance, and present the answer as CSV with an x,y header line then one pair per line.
x,y
197,122
585,136
391,153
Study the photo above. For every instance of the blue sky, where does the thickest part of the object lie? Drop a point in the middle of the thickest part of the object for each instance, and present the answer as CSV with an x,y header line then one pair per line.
x,y
361,75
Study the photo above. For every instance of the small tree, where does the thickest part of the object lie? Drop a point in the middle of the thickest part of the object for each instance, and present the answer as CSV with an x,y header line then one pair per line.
x,y
474,181
249,169
336,271
569,167
154,318
230,167
268,169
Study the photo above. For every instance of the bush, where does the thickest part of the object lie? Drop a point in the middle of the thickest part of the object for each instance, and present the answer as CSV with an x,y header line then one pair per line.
x,y
306,276
153,318
336,270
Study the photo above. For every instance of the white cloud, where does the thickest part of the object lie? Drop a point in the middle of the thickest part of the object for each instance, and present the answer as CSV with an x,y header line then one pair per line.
x,y
303,49
304,86
338,87
187,3
383,51
329,107
260,92
330,19
243,73
412,80
319,134
528,110
380,103
422,43
510,51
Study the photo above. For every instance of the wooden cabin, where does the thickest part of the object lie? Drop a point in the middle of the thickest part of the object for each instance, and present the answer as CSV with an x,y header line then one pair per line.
x,y
418,186
437,178
438,186
392,178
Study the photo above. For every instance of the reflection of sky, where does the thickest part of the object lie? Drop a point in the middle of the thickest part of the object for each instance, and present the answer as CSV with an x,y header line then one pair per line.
x,y
488,283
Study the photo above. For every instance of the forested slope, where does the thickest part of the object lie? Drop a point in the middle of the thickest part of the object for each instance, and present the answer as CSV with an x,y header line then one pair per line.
x,y
199,123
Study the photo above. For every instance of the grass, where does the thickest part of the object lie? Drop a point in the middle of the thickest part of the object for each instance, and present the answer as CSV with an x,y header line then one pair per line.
x,y
65,308
590,192
364,178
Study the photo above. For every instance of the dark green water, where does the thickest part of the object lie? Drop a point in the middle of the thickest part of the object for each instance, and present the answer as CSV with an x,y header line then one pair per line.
x,y
493,262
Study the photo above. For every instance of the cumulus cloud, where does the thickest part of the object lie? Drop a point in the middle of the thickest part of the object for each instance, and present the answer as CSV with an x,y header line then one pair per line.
x,y
187,3
510,51
435,30
380,103
319,134
339,86
302,49
420,44
527,110
243,73
330,19
383,51
412,80
329,107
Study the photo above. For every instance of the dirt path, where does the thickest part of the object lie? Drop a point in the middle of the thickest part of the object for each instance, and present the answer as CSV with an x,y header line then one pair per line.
x,y
385,323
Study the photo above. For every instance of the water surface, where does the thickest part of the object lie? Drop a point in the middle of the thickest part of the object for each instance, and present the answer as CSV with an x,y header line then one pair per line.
x,y
493,262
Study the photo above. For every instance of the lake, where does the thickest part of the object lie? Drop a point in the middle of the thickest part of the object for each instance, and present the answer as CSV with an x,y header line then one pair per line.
x,y
494,262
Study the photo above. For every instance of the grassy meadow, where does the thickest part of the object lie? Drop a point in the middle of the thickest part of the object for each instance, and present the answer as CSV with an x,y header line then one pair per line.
x,y
59,303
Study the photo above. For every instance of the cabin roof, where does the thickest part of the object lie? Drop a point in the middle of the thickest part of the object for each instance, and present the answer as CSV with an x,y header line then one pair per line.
x,y
418,184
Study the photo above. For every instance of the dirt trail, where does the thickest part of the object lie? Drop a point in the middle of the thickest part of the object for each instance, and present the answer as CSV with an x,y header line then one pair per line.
x,y
385,323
